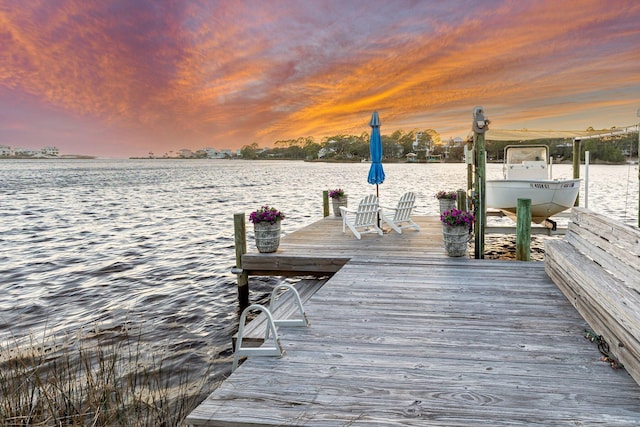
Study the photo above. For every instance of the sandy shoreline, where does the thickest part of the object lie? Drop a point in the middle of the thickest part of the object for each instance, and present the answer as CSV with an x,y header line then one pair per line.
x,y
502,246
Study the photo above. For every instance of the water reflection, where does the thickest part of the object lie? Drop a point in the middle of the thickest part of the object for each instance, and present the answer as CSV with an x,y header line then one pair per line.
x,y
116,243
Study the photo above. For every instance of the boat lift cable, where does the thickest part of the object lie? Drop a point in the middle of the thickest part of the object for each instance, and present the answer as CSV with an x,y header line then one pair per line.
x,y
620,131
613,132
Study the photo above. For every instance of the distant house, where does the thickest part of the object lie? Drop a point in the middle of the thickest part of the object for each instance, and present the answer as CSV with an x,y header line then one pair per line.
x,y
185,153
5,151
19,151
325,151
209,153
50,151
212,153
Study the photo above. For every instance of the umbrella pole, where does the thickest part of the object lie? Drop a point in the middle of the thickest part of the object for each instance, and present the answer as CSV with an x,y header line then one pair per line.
x,y
378,196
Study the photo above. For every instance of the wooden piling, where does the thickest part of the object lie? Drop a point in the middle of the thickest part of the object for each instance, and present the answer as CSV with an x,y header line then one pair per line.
x,y
240,237
523,230
480,197
461,197
325,203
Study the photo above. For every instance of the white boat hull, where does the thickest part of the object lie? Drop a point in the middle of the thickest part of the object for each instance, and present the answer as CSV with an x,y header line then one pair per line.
x,y
547,197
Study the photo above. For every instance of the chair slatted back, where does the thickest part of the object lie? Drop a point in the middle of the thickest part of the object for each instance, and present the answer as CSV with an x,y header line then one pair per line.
x,y
406,204
367,213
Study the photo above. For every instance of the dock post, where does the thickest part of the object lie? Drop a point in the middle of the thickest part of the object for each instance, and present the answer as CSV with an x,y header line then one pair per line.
x,y
325,203
240,237
461,197
480,126
523,230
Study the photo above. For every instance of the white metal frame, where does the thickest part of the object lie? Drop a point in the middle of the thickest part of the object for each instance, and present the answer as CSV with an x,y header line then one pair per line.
x,y
271,345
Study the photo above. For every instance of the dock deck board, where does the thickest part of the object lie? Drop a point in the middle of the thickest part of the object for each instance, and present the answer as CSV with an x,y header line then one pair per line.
x,y
408,337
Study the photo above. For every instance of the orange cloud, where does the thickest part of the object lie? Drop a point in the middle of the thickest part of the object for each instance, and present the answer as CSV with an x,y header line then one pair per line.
x,y
195,73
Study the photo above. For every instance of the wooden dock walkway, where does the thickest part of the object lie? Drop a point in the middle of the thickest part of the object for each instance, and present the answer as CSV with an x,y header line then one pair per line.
x,y
322,248
403,335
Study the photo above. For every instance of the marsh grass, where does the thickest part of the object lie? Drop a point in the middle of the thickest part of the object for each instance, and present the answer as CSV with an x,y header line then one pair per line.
x,y
96,379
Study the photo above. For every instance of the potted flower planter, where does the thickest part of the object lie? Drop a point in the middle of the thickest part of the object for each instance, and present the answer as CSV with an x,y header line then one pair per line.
x,y
337,202
266,227
338,198
447,205
447,200
455,239
267,236
455,231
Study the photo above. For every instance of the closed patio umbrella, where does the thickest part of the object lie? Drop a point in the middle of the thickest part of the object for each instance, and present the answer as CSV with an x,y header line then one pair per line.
x,y
376,172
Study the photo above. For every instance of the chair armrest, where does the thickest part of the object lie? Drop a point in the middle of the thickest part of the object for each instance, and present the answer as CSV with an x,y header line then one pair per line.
x,y
388,207
345,210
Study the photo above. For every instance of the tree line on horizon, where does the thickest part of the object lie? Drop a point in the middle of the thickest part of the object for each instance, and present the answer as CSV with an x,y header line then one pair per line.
x,y
396,146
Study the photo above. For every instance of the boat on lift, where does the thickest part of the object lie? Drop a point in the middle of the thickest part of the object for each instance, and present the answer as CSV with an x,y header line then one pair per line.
x,y
527,175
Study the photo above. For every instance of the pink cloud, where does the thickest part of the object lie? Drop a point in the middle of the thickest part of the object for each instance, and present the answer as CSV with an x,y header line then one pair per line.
x,y
142,76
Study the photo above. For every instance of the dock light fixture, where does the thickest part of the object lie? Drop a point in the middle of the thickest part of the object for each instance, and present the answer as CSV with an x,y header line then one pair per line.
x,y
480,123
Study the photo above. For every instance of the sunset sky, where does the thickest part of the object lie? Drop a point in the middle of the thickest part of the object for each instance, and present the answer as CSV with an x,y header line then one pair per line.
x,y
124,78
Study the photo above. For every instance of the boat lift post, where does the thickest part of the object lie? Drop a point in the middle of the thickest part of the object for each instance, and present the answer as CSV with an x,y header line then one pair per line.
x,y
577,148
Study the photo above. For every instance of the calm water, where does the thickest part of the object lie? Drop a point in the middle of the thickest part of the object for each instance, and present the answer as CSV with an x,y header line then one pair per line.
x,y
98,244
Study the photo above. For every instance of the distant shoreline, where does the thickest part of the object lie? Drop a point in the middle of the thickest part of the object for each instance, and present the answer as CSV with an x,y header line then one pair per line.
x,y
63,157
87,157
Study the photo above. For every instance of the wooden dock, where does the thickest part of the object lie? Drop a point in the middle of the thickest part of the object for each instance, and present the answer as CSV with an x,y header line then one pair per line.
x,y
322,248
403,335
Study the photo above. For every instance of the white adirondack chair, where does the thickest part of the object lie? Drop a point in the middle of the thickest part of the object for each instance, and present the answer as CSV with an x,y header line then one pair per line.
x,y
365,217
399,217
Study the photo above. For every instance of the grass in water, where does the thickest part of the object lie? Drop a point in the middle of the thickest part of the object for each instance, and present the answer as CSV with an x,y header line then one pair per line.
x,y
95,380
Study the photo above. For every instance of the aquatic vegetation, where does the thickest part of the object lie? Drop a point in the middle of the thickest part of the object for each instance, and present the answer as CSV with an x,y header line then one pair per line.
x,y
81,381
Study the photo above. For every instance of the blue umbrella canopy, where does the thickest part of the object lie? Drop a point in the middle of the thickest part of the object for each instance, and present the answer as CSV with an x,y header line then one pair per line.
x,y
376,173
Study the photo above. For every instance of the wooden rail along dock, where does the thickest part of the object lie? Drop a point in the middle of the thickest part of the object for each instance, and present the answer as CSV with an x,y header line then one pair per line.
x,y
403,335
597,267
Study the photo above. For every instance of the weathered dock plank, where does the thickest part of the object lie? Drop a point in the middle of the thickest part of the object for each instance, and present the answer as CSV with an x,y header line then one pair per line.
x,y
417,340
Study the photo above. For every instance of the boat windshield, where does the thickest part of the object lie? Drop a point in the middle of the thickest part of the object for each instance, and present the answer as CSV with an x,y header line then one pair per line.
x,y
518,155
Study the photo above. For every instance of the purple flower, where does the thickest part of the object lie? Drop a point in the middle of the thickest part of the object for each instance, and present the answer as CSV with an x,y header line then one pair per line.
x,y
455,217
451,195
336,194
266,214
